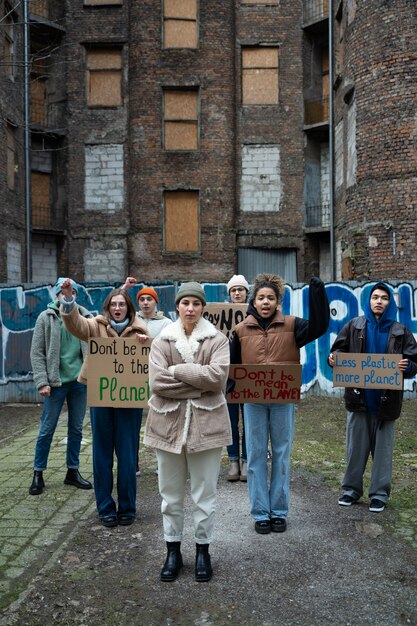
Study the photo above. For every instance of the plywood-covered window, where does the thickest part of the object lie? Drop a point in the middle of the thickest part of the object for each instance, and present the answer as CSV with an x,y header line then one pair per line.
x,y
9,26
10,131
180,27
260,75
104,77
181,221
41,199
180,119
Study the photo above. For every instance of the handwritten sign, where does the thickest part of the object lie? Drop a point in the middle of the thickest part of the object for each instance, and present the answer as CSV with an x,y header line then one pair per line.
x,y
265,384
225,316
118,372
367,371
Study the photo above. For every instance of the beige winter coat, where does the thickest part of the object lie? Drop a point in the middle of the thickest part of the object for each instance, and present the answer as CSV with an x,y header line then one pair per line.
x,y
98,326
187,377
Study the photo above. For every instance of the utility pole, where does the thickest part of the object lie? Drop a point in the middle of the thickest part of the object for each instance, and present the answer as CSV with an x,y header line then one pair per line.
x,y
331,144
26,126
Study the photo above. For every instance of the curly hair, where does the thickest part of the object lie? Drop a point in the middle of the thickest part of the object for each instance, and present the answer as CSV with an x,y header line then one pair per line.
x,y
269,280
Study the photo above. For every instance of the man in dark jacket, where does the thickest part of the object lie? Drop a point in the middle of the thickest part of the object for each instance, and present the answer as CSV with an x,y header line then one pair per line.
x,y
371,412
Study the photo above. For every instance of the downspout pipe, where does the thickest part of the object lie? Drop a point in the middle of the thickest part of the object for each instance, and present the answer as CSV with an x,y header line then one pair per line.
x,y
331,144
26,123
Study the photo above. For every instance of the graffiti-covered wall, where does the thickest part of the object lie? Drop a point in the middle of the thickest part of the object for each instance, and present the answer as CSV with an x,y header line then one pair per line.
x,y
20,306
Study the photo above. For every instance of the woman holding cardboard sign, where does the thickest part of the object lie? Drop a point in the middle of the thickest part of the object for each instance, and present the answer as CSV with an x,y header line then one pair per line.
x,y
115,430
267,336
188,424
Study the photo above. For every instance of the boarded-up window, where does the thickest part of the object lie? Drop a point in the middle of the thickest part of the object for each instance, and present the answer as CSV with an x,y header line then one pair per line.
x,y
10,130
180,24
260,75
181,222
180,120
104,77
9,43
41,199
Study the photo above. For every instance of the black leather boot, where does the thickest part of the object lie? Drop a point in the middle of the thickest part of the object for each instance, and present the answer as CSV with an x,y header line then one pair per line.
x,y
37,485
203,569
74,478
173,562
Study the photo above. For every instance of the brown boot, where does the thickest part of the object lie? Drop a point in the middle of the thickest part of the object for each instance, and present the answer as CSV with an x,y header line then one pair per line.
x,y
233,474
244,472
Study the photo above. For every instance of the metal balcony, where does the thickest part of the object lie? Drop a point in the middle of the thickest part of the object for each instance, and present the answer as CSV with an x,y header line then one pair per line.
x,y
315,11
316,111
317,216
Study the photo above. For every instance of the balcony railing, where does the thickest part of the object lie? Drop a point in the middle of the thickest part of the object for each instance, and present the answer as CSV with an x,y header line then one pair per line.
x,y
47,217
316,111
317,215
51,117
315,10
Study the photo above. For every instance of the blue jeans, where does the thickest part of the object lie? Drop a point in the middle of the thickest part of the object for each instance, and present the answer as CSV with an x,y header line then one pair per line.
x,y
75,394
277,422
233,450
115,430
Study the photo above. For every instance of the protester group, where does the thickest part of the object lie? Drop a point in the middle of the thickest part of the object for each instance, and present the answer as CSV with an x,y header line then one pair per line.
x,y
189,419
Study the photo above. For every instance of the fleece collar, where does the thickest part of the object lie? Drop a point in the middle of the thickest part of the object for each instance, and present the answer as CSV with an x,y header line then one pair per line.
x,y
188,346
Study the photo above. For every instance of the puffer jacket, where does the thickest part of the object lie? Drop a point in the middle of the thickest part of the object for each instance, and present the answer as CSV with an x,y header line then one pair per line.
x,y
98,326
45,351
352,338
187,377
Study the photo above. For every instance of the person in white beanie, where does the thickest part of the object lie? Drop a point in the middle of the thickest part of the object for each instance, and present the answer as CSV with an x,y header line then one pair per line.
x,y
237,289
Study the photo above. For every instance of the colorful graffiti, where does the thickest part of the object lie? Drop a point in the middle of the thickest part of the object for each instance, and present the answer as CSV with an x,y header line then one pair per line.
x,y
19,308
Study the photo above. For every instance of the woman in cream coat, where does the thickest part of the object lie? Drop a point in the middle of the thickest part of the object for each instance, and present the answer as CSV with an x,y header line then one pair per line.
x,y
188,424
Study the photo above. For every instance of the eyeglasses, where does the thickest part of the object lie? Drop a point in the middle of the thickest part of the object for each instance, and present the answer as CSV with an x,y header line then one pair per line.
x,y
118,305
237,289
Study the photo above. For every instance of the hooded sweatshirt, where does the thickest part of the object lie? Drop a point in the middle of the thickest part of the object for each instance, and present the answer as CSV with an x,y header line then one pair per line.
x,y
376,340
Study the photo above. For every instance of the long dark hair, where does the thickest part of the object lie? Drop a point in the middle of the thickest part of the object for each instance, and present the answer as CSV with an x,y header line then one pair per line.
x,y
131,311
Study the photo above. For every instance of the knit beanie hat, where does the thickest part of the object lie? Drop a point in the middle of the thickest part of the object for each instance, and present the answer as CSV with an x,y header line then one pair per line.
x,y
147,291
191,289
237,281
58,285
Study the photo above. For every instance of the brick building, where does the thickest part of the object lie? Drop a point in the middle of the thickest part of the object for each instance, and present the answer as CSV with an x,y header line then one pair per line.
x,y
187,139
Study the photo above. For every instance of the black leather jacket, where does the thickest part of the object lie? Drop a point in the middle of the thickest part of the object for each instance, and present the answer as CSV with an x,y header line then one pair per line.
x,y
400,341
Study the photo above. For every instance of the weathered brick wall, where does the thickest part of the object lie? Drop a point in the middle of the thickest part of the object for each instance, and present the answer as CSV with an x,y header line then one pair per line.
x,y
210,68
279,125
12,211
98,214
376,227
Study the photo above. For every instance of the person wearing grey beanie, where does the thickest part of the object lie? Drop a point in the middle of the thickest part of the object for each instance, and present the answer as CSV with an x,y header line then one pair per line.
x,y
237,290
188,424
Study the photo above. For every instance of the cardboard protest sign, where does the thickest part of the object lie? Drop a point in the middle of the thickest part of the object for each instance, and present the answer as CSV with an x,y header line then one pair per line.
x,y
118,372
265,384
367,371
225,316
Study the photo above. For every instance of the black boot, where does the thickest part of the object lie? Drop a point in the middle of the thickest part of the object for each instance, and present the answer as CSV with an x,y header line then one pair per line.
x,y
203,569
74,478
173,562
37,485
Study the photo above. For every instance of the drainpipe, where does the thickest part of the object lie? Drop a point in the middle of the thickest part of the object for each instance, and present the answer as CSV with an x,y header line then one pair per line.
x,y
331,144
26,122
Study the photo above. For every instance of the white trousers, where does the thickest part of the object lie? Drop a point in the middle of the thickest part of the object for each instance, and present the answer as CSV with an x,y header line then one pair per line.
x,y
203,468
